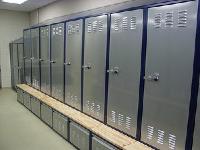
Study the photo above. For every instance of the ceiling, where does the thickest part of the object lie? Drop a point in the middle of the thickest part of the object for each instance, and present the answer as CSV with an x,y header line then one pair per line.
x,y
26,6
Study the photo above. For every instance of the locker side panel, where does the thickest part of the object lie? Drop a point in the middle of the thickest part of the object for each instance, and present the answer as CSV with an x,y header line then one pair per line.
x,y
124,70
27,100
35,106
79,136
73,63
46,114
57,61
168,75
99,144
94,66
196,144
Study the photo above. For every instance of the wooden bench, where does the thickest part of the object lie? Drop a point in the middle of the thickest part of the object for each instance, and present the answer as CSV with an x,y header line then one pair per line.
x,y
109,134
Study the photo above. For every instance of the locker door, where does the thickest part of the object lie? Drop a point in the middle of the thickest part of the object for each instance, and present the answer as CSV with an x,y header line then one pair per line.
x,y
168,74
45,59
21,62
124,70
35,58
196,144
57,60
27,56
94,66
15,64
73,63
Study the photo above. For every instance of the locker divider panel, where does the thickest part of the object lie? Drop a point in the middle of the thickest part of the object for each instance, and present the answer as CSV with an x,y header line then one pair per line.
x,y
57,61
124,76
94,66
168,75
73,64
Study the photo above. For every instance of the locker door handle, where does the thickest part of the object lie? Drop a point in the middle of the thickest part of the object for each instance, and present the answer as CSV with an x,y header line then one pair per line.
x,y
53,62
86,67
115,70
24,57
32,58
153,77
68,63
41,60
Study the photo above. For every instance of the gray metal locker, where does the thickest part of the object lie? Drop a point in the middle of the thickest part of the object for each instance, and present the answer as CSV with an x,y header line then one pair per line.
x,y
21,62
46,114
45,59
73,63
27,100
35,58
79,136
100,144
15,64
35,106
57,61
94,66
27,56
196,143
20,96
124,70
171,35
60,124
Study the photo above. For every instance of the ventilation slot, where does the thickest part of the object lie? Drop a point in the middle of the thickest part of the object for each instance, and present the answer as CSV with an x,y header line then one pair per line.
x,y
88,105
172,141
77,28
116,24
133,23
160,136
169,19
128,123
92,107
113,115
89,27
94,26
120,119
150,131
157,21
98,110
69,31
100,26
125,23
182,18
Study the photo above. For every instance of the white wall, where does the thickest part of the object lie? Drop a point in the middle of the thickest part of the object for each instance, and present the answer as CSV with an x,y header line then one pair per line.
x,y
12,24
66,7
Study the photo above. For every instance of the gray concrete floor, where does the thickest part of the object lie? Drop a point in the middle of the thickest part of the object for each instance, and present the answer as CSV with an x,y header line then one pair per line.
x,y
21,130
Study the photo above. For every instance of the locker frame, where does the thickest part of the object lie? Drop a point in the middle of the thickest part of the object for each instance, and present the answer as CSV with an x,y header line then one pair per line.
x,y
196,64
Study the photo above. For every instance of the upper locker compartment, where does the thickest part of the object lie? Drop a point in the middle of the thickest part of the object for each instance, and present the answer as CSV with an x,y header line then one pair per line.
x,y
94,66
35,58
45,59
171,33
124,70
27,56
73,57
57,61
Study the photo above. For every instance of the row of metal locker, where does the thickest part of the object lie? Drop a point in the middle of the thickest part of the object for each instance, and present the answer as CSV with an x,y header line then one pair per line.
x,y
69,130
98,65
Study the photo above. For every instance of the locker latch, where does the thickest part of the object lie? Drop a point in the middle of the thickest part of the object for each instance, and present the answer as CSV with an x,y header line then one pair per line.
x,y
153,77
115,70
